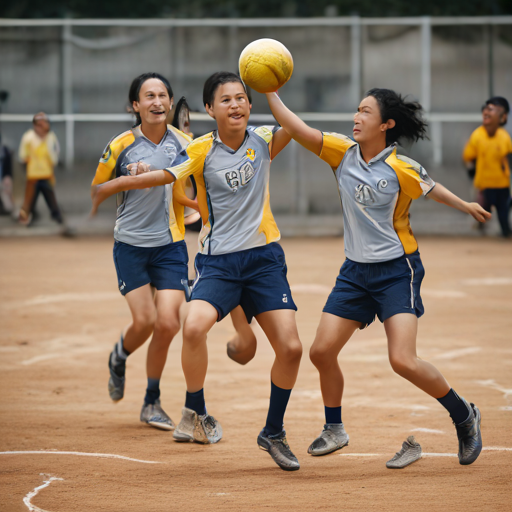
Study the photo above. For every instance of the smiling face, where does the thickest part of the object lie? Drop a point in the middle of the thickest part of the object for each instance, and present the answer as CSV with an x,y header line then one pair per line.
x,y
493,116
154,102
368,125
231,107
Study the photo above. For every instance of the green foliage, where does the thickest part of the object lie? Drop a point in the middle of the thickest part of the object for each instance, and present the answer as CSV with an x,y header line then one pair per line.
x,y
245,9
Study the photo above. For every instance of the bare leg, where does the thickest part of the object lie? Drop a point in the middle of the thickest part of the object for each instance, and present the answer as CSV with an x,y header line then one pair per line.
x,y
142,307
331,336
242,347
401,331
281,330
167,325
194,355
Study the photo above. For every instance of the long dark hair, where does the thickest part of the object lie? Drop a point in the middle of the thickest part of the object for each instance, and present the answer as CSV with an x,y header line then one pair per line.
x,y
133,94
408,116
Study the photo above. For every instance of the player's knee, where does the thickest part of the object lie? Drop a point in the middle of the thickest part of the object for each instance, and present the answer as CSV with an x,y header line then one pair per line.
x,y
319,357
403,365
193,332
144,321
291,353
168,327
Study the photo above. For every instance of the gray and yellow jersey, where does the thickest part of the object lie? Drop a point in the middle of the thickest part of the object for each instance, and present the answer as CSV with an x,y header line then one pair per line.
x,y
376,197
150,217
232,191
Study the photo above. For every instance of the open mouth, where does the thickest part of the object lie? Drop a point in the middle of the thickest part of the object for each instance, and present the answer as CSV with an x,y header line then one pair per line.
x,y
236,116
157,112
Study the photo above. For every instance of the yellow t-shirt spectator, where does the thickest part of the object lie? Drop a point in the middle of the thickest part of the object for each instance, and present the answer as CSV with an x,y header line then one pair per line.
x,y
40,155
490,153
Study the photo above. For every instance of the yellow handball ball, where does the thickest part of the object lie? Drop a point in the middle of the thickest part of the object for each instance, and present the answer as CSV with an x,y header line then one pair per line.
x,y
265,65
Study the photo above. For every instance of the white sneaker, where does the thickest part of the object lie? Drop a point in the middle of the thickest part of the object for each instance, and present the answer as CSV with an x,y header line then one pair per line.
x,y
204,429
154,415
410,452
184,432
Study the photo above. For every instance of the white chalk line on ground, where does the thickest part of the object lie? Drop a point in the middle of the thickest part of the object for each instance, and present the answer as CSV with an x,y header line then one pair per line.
x,y
81,454
428,430
491,383
488,281
428,454
459,352
27,499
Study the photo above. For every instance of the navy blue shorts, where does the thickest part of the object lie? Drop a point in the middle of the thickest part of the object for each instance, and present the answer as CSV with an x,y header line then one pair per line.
x,y
163,267
364,290
255,279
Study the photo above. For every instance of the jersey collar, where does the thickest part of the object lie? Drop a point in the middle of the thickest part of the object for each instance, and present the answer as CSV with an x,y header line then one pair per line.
x,y
381,156
218,140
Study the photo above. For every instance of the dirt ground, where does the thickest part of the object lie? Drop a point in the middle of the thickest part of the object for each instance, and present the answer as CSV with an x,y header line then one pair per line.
x,y
60,313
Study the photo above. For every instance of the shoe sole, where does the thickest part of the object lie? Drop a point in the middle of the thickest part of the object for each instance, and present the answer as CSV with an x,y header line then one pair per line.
x,y
404,465
476,454
182,437
317,454
262,446
160,426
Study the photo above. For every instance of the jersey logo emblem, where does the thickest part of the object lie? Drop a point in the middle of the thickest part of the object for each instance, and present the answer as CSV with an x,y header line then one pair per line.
x,y
170,151
105,157
382,184
240,177
364,195
251,154
285,298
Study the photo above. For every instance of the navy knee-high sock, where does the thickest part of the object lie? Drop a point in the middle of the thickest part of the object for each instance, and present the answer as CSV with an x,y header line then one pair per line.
x,y
152,391
278,401
195,401
332,414
457,408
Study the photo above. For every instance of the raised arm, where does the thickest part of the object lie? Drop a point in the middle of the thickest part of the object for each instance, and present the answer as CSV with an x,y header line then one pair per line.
x,y
305,135
146,180
443,195
279,141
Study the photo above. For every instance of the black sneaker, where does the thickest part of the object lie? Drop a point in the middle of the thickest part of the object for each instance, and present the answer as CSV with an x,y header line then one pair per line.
x,y
470,437
278,448
117,367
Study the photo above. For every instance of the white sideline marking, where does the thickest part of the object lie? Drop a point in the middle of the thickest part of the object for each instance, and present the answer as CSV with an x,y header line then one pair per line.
x,y
428,454
453,354
488,281
32,494
442,294
64,297
491,383
55,355
82,454
318,289
428,430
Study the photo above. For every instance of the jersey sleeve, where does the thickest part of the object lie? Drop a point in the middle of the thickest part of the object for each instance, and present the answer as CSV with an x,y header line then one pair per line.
x,y
334,147
192,160
107,164
23,152
53,148
414,180
470,150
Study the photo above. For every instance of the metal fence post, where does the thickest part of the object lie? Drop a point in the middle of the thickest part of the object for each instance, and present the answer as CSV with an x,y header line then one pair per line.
x,y
67,95
426,43
355,61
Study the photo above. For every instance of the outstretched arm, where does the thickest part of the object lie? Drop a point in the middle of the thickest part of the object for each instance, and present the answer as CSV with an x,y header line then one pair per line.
x,y
305,135
443,195
146,180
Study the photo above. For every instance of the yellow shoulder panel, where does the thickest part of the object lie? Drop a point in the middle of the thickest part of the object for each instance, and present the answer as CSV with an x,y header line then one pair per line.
x,y
182,137
107,164
334,147
197,151
265,132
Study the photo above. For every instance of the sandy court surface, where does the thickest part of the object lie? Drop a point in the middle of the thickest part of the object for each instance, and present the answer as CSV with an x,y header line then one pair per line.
x,y
60,313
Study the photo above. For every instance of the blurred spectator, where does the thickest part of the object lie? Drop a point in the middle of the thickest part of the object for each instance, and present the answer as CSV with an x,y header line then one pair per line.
x,y
487,151
6,200
39,150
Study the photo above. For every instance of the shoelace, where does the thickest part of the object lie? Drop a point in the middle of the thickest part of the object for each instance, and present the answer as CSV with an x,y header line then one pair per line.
x,y
210,422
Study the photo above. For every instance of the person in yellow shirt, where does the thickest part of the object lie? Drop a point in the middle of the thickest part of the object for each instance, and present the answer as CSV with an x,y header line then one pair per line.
x,y
490,145
39,151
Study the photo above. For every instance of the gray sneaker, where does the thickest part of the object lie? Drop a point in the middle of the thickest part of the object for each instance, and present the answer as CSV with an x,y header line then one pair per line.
x,y
332,438
154,415
117,367
470,437
278,448
204,429
410,452
184,432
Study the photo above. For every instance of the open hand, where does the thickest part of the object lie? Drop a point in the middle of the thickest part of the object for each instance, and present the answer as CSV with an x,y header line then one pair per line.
x,y
478,213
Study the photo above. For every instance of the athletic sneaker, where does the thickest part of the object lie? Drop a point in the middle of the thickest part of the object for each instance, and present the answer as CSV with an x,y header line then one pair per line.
x,y
154,415
410,452
117,367
204,429
332,438
278,448
470,437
